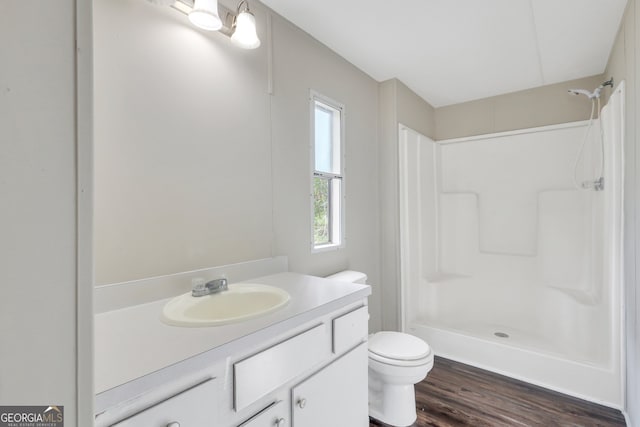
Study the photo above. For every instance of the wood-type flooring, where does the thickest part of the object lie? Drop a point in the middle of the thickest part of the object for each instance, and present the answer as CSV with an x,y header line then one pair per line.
x,y
454,394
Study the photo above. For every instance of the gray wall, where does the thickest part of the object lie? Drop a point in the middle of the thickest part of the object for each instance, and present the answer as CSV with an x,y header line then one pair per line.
x,y
38,217
542,106
198,165
623,65
300,63
398,105
182,147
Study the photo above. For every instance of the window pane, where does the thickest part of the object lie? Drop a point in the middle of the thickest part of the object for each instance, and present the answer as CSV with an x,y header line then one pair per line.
x,y
335,207
323,139
327,174
321,215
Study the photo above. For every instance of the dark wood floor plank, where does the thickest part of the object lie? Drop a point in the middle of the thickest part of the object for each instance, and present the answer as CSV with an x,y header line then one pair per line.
x,y
454,394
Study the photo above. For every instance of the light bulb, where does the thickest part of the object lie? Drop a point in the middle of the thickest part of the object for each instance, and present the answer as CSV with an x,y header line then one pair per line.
x,y
205,15
245,33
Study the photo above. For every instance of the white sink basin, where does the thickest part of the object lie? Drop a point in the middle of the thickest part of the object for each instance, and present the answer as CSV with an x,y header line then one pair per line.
x,y
240,302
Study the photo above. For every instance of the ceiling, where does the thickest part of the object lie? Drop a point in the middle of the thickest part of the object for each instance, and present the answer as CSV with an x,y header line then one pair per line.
x,y
452,51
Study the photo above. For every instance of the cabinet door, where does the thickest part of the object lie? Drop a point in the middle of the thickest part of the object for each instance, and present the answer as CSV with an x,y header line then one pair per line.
x,y
335,396
195,407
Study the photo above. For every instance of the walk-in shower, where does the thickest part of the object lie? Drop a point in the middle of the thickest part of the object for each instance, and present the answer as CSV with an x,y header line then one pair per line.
x,y
505,264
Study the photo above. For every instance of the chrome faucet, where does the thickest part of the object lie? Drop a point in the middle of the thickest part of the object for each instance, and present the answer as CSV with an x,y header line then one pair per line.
x,y
214,286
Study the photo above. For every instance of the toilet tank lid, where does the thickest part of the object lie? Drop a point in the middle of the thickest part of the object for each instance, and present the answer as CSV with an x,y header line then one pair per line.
x,y
349,276
398,346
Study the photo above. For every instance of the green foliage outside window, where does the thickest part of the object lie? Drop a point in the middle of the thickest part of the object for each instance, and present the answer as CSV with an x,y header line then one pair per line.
x,y
320,211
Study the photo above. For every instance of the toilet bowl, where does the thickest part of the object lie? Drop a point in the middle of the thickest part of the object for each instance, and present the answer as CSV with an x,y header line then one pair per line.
x,y
397,361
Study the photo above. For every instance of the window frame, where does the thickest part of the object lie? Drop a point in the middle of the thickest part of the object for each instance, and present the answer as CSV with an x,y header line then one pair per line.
x,y
317,98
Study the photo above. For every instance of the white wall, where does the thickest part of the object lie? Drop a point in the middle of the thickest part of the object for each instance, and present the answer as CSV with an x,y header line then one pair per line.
x,y
418,215
38,217
198,165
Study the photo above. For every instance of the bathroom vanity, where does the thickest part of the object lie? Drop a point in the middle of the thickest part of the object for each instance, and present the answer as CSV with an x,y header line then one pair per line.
x,y
304,365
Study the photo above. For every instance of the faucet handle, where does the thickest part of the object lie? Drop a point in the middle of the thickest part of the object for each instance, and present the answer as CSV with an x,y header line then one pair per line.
x,y
216,285
198,284
200,288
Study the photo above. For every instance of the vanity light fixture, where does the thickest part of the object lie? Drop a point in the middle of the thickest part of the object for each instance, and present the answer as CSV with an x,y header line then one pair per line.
x,y
209,15
244,28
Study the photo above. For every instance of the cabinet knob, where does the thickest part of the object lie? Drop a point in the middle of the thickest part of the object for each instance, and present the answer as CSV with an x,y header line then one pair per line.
x,y
173,424
302,403
280,422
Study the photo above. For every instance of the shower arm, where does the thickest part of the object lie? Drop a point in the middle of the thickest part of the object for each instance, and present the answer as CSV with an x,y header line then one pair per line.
x,y
596,93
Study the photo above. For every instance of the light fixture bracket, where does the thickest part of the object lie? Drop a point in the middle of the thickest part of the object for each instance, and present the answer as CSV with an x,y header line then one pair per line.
x,y
246,7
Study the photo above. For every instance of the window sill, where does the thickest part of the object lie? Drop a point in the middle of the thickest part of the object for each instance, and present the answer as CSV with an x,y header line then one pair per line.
x,y
326,248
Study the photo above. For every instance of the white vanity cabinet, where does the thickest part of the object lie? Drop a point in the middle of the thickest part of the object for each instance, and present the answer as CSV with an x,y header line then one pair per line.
x,y
336,395
304,366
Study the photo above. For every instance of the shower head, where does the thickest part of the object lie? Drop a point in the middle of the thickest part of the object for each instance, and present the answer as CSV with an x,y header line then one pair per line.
x,y
590,95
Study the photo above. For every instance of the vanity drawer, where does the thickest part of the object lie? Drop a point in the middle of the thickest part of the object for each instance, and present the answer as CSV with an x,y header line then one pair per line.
x,y
194,407
274,415
350,329
266,371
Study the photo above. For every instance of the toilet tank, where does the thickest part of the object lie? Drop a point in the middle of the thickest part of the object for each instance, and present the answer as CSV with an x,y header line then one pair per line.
x,y
349,276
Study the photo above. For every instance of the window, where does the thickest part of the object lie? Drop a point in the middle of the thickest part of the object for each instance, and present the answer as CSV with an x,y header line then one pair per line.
x,y
327,181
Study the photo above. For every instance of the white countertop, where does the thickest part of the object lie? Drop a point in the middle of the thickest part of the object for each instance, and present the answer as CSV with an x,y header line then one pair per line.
x,y
133,342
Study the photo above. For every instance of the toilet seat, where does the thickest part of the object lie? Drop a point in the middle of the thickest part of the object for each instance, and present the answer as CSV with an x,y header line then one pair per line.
x,y
400,349
401,363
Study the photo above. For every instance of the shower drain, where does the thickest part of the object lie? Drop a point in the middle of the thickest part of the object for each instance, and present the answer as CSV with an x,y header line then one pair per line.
x,y
501,334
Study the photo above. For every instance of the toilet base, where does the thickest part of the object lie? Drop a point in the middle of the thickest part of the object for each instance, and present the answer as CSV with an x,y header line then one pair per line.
x,y
392,404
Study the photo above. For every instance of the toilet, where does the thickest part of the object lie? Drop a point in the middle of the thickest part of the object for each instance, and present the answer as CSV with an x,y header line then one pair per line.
x,y
397,361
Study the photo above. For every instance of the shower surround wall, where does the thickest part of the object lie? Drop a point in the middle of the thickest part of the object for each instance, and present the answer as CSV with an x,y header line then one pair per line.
x,y
506,265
